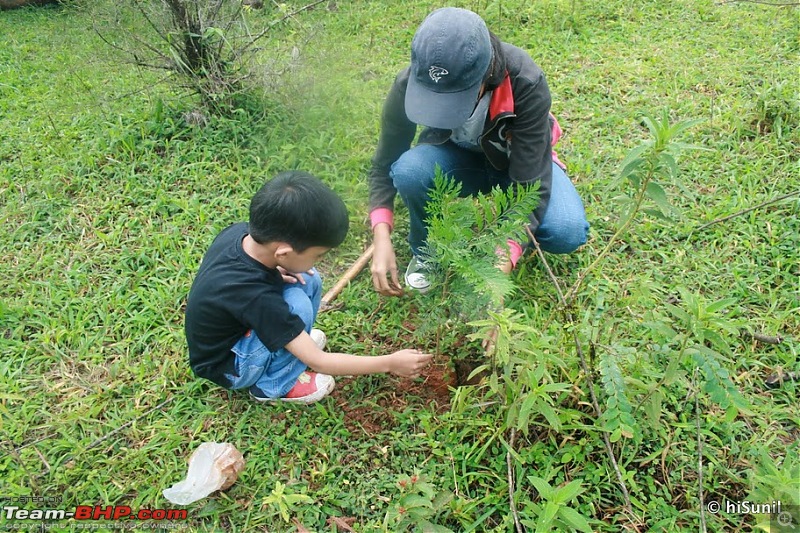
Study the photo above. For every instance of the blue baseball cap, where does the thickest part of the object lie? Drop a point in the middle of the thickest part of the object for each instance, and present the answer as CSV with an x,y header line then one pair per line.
x,y
450,56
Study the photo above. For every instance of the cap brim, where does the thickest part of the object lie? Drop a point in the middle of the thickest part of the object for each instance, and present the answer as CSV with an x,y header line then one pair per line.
x,y
439,110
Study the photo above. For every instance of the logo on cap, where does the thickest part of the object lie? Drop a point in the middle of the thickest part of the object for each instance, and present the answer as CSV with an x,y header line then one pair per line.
x,y
436,73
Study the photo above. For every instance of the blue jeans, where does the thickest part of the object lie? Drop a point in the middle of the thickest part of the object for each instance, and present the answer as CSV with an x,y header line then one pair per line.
x,y
275,373
562,230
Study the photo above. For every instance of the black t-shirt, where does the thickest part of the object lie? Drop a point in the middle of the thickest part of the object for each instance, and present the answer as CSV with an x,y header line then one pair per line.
x,y
231,294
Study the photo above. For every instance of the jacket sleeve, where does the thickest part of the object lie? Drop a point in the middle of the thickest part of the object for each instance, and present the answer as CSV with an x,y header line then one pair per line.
x,y
397,133
531,156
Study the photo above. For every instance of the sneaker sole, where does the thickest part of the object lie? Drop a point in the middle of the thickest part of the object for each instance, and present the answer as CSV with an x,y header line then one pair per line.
x,y
311,398
264,400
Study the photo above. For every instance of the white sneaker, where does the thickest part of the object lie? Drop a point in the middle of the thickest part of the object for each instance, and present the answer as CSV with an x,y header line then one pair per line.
x,y
319,338
416,275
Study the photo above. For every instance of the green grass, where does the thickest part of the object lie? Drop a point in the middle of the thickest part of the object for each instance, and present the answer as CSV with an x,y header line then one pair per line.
x,y
109,201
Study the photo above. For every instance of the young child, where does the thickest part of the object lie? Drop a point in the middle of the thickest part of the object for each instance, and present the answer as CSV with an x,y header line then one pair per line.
x,y
256,295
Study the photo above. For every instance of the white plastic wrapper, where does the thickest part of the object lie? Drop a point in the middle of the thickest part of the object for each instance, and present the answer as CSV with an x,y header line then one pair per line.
x,y
213,466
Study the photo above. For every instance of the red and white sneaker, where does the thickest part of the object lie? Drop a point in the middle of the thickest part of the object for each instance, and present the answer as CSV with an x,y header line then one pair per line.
x,y
310,387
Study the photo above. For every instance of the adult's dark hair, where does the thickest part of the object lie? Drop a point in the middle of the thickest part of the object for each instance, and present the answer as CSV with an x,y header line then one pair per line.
x,y
497,68
297,208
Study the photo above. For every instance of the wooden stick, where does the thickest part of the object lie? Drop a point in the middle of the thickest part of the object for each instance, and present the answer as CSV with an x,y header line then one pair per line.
x,y
347,277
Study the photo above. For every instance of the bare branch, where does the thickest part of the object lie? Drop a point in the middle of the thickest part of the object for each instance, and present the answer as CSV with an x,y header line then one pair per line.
x,y
699,456
762,337
141,9
742,212
586,371
128,424
511,486
127,95
282,19
158,53
216,9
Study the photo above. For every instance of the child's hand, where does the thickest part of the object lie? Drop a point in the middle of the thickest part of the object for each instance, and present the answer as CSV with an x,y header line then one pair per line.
x,y
408,363
290,277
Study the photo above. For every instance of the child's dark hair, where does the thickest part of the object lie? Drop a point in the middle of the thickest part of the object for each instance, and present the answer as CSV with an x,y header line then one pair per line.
x,y
297,208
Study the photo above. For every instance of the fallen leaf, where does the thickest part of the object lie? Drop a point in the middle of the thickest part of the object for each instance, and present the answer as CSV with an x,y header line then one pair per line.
x,y
343,523
300,527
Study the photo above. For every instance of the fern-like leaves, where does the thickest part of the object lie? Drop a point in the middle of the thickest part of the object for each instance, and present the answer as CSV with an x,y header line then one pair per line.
x,y
618,415
465,234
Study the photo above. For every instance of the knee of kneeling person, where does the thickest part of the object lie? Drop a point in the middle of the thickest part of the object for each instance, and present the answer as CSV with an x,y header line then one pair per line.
x,y
313,281
410,174
564,237
300,305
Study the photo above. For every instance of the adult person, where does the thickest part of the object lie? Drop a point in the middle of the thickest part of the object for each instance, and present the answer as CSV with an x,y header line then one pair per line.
x,y
485,108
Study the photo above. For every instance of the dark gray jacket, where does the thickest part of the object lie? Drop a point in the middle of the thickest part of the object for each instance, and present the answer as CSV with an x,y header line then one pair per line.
x,y
519,112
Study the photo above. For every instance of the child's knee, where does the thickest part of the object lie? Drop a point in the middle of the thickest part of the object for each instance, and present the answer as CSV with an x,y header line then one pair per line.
x,y
313,282
305,312
300,303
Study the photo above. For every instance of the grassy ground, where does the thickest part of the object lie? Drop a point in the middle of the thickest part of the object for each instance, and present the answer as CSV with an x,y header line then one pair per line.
x,y
109,200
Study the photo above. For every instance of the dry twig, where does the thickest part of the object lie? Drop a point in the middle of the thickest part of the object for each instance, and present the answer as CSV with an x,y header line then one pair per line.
x,y
699,458
740,213
128,424
511,484
585,367
762,337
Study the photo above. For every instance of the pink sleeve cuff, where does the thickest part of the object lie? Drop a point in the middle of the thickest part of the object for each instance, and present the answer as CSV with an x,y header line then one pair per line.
x,y
555,135
555,130
514,252
381,215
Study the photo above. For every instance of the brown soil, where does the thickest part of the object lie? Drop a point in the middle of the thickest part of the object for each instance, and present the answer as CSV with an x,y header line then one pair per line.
x,y
377,413
463,370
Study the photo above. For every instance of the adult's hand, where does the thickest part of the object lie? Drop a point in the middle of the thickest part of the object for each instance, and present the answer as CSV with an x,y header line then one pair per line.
x,y
384,263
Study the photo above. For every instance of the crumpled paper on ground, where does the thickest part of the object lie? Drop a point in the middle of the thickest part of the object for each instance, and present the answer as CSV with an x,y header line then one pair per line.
x,y
213,466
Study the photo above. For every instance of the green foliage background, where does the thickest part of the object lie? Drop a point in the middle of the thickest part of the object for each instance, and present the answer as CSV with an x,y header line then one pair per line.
x,y
109,200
